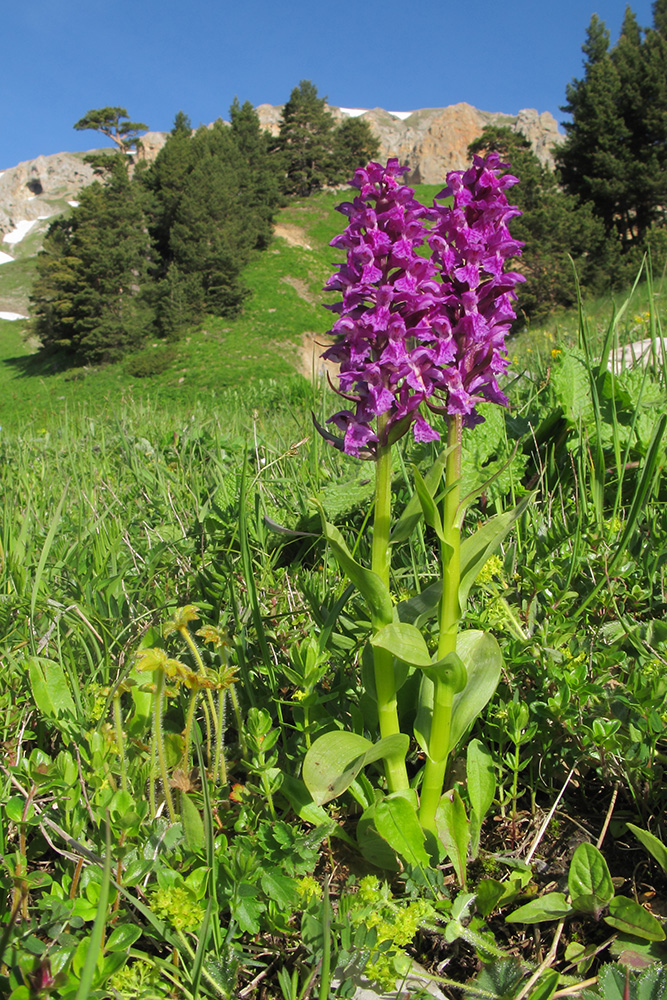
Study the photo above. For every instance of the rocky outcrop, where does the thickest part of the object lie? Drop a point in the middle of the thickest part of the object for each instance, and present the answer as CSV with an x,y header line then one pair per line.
x,y
29,190
434,141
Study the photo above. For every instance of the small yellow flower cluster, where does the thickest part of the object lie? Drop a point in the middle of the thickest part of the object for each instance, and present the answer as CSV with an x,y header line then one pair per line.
x,y
493,567
177,906
309,888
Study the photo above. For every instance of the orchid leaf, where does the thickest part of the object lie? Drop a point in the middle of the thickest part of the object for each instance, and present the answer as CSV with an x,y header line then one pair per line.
x,y
335,759
368,583
454,831
428,505
449,670
418,609
482,659
480,545
412,514
405,642
396,821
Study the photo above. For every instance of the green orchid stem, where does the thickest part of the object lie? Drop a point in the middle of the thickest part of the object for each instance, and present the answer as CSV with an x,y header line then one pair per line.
x,y
450,613
383,661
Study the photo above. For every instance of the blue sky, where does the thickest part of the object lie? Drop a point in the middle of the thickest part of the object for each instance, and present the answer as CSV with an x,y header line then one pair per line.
x,y
156,57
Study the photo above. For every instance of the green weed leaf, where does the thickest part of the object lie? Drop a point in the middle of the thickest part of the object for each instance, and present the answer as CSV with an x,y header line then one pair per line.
x,y
589,881
335,759
481,782
655,847
631,918
396,822
454,831
50,689
193,825
550,907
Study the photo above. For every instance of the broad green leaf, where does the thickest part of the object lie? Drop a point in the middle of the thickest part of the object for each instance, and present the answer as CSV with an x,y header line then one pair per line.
x,y
335,759
589,881
481,783
428,505
373,847
193,825
655,847
491,894
631,918
413,511
369,584
454,831
418,609
480,545
281,888
571,383
552,906
546,987
301,801
482,659
50,688
405,642
396,822
123,937
449,670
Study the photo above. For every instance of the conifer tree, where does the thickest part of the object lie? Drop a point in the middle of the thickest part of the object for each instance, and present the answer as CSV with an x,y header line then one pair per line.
x,y
353,146
260,189
554,227
615,155
304,145
89,296
108,121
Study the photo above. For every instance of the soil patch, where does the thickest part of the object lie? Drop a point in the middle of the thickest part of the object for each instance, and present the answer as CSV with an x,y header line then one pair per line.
x,y
294,235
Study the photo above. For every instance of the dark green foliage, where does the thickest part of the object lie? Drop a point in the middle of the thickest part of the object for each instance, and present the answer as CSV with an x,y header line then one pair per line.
x,y
354,146
312,151
304,146
214,198
155,252
259,182
615,155
108,122
554,227
152,361
89,296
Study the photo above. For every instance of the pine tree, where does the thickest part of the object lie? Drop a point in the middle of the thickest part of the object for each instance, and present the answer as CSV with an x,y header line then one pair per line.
x,y
353,146
554,226
89,297
108,121
304,145
260,188
615,155
166,180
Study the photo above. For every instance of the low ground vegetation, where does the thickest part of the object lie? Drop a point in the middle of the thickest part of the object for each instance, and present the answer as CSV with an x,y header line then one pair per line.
x,y
176,634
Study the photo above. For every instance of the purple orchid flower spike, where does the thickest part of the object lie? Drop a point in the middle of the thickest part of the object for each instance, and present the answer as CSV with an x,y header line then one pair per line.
x,y
413,330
